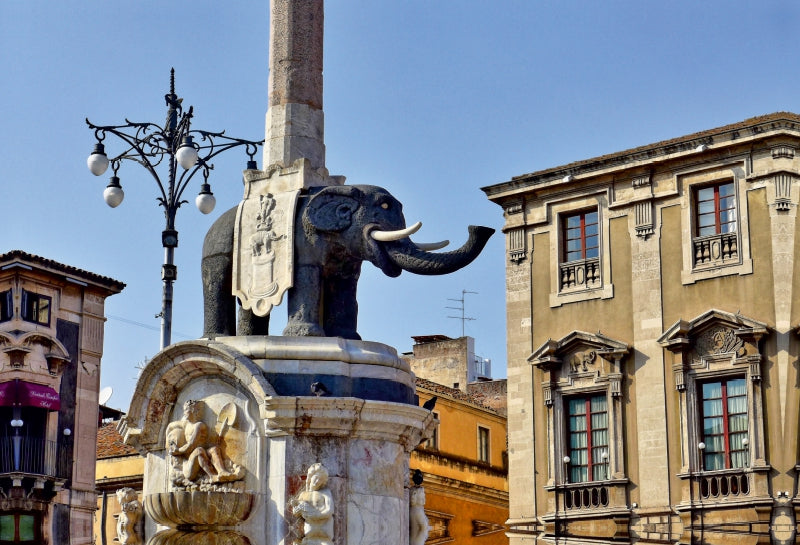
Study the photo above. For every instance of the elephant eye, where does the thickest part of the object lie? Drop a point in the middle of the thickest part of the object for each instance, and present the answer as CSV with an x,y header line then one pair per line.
x,y
385,206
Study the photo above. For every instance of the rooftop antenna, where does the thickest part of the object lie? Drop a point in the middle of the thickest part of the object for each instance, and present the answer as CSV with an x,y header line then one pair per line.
x,y
463,318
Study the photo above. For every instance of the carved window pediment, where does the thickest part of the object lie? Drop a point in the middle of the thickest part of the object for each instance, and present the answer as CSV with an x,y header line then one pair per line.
x,y
579,357
714,340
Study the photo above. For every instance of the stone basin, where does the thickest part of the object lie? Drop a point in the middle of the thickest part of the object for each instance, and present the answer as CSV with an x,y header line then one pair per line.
x,y
203,537
184,508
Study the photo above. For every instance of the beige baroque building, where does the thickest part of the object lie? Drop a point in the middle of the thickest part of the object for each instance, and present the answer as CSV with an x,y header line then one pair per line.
x,y
653,341
51,343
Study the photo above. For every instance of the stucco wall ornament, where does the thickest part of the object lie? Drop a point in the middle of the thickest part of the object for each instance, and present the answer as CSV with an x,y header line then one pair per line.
x,y
197,450
129,519
314,505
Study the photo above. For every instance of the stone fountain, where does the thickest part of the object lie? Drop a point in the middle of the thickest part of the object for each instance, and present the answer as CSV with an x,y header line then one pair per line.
x,y
302,438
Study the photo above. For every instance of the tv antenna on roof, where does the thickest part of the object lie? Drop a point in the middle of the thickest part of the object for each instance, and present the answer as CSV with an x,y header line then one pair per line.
x,y
463,318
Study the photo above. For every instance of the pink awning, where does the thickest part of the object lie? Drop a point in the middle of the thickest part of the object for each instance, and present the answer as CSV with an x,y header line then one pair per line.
x,y
8,393
18,393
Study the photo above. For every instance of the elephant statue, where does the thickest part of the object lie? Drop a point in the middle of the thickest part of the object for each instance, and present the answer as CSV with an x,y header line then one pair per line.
x,y
336,228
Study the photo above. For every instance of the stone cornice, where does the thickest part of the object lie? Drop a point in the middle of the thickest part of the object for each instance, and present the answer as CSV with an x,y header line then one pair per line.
x,y
756,128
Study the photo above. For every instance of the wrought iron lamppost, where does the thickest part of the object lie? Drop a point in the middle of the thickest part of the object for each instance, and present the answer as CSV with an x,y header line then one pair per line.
x,y
149,145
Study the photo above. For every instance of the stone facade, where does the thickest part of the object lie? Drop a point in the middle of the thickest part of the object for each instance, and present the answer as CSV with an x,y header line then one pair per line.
x,y
446,361
652,341
51,343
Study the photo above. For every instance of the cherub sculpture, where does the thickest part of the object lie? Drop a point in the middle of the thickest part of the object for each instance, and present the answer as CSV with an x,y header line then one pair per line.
x,y
314,505
129,518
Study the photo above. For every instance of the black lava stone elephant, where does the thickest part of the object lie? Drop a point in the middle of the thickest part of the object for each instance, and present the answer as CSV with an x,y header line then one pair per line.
x,y
336,228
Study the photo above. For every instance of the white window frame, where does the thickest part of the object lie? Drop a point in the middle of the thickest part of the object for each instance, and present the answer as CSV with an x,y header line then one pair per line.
x,y
557,211
688,183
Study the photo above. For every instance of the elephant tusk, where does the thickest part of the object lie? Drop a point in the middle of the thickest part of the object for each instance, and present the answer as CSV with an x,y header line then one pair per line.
x,y
388,236
431,246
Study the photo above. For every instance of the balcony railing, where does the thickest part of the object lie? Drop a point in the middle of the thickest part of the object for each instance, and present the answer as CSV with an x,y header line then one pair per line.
x,y
724,485
590,496
721,249
33,456
580,274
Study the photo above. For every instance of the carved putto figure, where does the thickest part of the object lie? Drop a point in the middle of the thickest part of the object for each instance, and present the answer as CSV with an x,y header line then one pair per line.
x,y
128,520
196,449
417,519
314,504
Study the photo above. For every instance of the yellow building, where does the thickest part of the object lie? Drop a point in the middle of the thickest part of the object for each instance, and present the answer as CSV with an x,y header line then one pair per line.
x,y
653,341
464,470
51,343
464,464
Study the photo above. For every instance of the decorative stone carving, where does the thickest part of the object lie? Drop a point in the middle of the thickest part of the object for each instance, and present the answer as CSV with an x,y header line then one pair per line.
x,y
516,245
716,341
418,521
129,519
262,270
197,450
783,191
194,508
314,505
582,361
783,152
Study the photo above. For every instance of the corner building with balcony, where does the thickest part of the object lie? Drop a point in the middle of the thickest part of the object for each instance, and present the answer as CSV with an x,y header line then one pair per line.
x,y
653,341
51,342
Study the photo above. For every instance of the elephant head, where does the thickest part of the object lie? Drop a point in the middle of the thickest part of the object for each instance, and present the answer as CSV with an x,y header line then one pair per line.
x,y
367,222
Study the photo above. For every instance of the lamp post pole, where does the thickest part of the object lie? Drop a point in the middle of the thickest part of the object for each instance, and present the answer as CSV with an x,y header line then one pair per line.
x,y
149,145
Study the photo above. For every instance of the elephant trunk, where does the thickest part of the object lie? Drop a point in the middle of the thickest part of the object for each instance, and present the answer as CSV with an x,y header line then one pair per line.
x,y
406,255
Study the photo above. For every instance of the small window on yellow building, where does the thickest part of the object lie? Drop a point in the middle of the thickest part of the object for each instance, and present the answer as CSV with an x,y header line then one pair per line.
x,y
433,442
483,444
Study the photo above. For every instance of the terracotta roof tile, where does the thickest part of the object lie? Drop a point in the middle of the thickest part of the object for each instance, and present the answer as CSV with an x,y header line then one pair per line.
x,y
110,443
455,393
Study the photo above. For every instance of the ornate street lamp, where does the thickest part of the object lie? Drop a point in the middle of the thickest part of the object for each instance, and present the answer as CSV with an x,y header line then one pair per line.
x,y
187,151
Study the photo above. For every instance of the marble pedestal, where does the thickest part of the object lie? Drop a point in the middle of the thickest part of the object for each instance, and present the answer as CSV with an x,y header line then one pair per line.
x,y
256,395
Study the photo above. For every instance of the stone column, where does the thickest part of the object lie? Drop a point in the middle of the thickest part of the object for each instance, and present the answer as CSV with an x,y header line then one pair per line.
x,y
295,122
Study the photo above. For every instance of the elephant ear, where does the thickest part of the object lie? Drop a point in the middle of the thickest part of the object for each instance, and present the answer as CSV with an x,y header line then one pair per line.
x,y
332,208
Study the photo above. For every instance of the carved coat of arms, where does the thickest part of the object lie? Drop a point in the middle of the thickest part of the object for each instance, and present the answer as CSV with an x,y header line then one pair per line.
x,y
263,248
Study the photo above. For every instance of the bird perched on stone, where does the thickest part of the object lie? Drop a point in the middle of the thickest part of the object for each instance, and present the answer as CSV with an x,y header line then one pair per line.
x,y
416,478
430,404
319,389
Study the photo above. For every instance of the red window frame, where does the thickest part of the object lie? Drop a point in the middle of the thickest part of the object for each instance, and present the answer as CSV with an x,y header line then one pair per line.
x,y
36,537
579,472
710,437
580,235
715,209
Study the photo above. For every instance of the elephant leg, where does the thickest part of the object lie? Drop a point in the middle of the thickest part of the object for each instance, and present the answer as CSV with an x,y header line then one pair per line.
x,y
304,301
340,307
219,312
250,324
219,305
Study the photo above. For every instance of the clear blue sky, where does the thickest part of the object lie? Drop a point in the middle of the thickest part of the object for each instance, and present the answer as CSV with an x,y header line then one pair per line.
x,y
430,99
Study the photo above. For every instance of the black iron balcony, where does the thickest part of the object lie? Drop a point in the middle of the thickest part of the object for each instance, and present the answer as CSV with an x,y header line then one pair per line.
x,y
33,456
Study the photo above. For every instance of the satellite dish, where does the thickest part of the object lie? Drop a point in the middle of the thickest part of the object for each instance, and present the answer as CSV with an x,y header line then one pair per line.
x,y
105,395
